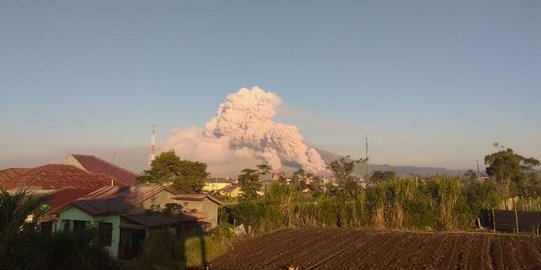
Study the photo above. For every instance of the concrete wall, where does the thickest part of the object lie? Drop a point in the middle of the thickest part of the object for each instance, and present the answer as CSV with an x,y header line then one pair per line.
x,y
206,206
162,198
70,160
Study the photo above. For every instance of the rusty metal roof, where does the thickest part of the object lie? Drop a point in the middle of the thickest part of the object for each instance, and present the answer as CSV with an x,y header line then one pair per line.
x,y
60,199
99,166
58,176
11,173
113,200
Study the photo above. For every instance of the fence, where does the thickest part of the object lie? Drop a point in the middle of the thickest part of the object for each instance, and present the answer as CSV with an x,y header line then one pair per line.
x,y
512,221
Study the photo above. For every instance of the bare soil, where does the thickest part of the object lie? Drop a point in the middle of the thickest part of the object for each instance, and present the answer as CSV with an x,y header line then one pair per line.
x,y
310,249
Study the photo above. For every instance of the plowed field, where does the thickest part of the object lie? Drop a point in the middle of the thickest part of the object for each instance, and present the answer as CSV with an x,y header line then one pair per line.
x,y
354,249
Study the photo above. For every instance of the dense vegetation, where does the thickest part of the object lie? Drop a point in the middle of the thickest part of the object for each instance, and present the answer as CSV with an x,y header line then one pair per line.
x,y
419,203
432,203
185,176
388,202
22,247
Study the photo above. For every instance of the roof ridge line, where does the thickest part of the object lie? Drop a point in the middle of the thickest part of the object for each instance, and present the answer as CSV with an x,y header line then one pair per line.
x,y
116,166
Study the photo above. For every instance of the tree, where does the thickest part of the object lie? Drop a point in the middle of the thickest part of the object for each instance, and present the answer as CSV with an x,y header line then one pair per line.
x,y
470,175
380,176
299,177
192,174
249,184
342,170
186,176
508,168
264,169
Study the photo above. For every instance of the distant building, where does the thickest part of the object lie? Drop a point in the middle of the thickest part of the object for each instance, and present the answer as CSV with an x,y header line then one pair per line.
x,y
278,176
232,191
216,184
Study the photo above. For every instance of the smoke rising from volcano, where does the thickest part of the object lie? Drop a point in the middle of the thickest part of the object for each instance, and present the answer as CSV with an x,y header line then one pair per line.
x,y
243,134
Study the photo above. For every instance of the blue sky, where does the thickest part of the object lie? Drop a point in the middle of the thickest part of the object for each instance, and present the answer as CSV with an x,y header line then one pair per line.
x,y
430,83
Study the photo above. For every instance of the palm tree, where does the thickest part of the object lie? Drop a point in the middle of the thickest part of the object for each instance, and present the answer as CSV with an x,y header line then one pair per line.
x,y
15,209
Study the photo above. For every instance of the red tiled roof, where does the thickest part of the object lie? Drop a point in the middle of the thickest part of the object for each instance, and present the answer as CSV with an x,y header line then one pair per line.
x,y
58,176
197,197
99,166
11,173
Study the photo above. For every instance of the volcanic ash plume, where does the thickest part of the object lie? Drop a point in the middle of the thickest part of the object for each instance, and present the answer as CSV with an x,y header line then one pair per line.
x,y
242,134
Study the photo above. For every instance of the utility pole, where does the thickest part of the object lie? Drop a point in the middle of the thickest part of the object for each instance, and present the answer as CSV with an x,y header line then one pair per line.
x,y
478,171
366,157
152,153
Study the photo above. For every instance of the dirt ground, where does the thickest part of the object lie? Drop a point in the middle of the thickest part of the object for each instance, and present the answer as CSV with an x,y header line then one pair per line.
x,y
355,249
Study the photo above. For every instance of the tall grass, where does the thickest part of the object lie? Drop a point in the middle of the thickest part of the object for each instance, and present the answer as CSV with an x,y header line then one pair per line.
x,y
438,203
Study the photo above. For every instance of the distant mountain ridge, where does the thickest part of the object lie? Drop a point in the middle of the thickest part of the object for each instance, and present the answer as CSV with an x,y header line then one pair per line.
x,y
360,169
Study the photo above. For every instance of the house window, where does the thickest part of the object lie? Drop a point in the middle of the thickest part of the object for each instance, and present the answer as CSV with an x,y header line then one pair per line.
x,y
105,233
79,225
66,225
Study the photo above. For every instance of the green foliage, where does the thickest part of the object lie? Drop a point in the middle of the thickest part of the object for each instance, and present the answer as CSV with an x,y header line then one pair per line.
x,y
263,169
446,192
508,168
14,210
200,250
172,208
161,251
343,168
379,176
249,184
185,175
164,168
470,175
440,202
248,213
65,250
21,247
482,195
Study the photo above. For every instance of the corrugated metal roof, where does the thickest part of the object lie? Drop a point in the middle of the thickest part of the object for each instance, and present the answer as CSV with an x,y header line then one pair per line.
x,y
11,173
97,165
59,176
60,199
108,200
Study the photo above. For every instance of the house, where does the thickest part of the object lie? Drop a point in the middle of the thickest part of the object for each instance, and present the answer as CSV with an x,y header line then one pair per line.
x,y
202,203
232,191
52,177
278,176
98,166
216,184
124,216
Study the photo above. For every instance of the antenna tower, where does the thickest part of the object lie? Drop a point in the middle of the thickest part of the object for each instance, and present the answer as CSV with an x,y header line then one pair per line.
x,y
152,154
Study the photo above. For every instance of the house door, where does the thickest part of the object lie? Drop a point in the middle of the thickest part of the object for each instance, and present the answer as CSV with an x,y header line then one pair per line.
x,y
131,243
